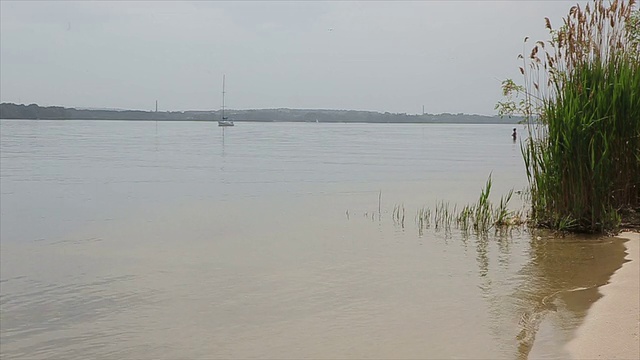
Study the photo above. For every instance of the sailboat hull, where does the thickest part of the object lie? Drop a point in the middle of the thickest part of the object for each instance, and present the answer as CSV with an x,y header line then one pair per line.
x,y
225,123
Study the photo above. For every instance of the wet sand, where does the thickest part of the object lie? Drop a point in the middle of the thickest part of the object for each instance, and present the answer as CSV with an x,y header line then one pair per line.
x,y
611,328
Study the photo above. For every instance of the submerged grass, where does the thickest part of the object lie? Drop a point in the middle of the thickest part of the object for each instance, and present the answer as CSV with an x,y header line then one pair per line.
x,y
398,215
581,97
480,217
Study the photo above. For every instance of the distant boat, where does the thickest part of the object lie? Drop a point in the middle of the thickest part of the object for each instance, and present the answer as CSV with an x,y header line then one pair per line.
x,y
225,120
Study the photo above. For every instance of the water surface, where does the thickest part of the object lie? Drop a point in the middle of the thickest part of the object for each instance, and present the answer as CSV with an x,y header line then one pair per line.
x,y
176,240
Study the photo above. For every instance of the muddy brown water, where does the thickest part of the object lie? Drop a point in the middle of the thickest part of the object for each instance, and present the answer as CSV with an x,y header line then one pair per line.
x,y
120,242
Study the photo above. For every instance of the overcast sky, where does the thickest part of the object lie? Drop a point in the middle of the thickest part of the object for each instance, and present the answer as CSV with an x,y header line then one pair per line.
x,y
449,56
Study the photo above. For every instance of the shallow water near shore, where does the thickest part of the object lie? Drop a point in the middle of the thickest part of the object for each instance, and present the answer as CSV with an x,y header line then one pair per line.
x,y
127,240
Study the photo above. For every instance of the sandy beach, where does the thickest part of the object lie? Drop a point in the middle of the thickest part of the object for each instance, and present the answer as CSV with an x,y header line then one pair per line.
x,y
611,328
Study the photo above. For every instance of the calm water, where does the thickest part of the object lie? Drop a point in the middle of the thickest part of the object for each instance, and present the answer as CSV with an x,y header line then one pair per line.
x,y
176,240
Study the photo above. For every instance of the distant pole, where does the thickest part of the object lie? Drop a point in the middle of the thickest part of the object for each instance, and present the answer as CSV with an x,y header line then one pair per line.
x,y
156,117
422,109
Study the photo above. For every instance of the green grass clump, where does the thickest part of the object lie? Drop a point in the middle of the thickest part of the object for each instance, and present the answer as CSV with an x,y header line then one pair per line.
x,y
479,217
582,102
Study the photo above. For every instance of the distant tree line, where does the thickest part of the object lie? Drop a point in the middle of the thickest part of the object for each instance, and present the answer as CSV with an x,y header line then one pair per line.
x,y
35,112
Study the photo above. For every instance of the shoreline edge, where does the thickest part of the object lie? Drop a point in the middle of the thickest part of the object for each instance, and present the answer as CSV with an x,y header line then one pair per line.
x,y
611,329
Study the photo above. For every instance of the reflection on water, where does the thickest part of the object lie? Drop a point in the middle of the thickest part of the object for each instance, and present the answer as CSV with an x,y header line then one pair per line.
x,y
563,279
181,260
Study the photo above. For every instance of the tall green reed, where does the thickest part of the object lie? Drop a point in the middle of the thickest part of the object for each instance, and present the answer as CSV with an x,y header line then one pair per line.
x,y
581,99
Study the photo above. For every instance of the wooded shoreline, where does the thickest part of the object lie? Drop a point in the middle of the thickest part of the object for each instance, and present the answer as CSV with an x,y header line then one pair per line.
x,y
36,112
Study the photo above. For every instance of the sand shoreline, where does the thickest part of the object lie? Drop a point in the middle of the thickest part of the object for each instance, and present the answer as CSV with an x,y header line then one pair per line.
x,y
611,329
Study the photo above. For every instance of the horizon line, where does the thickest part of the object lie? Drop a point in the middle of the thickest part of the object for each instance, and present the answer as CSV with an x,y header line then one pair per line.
x,y
92,108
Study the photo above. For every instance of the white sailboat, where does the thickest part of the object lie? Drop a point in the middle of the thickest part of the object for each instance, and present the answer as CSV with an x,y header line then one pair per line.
x,y
225,120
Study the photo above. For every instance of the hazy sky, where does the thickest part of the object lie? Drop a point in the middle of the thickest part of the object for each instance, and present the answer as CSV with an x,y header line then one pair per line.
x,y
449,56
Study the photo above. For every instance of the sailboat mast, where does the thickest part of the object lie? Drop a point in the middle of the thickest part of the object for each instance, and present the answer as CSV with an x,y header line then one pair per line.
x,y
223,79
224,121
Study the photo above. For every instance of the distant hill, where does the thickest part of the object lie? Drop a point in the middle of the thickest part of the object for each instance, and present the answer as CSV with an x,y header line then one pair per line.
x,y
35,112
93,108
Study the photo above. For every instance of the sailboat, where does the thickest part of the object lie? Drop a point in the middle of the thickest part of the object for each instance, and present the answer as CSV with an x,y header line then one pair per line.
x,y
225,120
